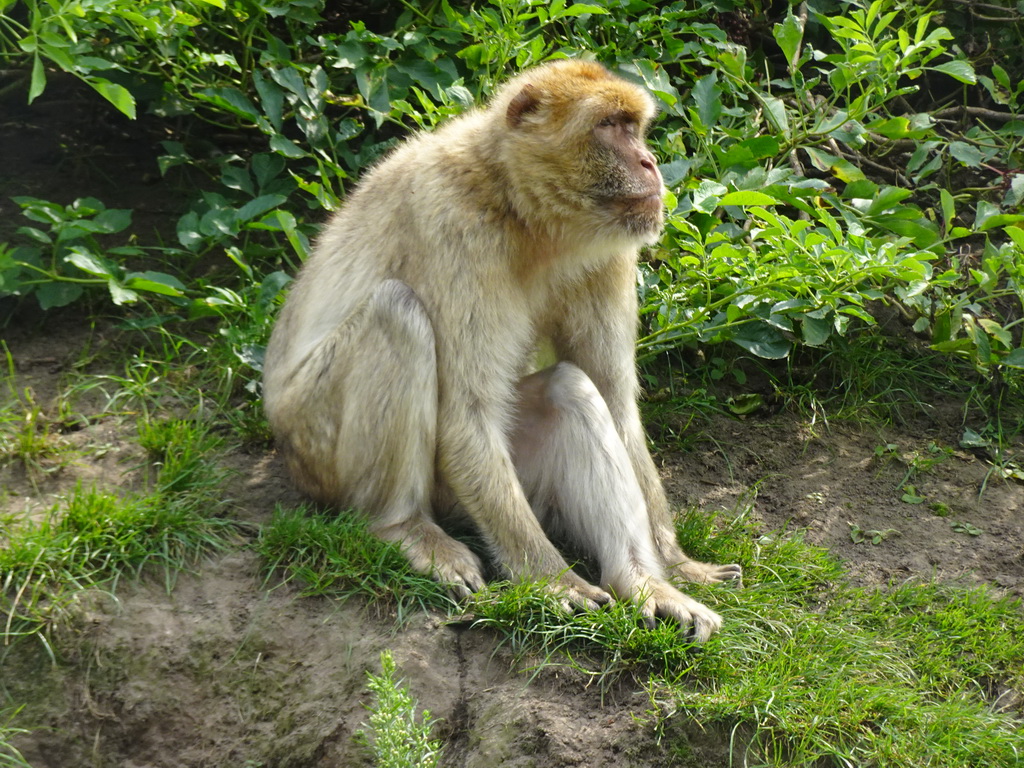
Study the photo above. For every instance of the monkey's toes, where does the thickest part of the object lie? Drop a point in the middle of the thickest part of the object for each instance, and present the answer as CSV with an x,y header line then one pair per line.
x,y
575,593
731,572
453,564
462,578
707,573
657,597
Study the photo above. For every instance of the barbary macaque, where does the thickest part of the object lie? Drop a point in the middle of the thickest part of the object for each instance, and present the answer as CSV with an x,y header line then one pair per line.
x,y
399,381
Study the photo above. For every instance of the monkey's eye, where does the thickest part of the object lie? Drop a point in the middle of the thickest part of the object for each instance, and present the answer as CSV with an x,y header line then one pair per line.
x,y
606,122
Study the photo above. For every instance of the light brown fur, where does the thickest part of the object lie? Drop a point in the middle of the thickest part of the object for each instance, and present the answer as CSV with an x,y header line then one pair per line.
x,y
398,378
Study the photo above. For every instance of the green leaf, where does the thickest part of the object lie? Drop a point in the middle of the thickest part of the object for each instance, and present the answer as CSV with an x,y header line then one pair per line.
x,y
788,35
578,9
775,113
999,220
286,147
984,212
948,208
958,70
1015,194
1014,358
188,231
708,97
38,83
816,330
886,198
116,94
863,189
966,153
90,262
258,206
747,197
843,169
155,282
902,128
971,439
923,232
911,495
762,340
707,194
50,295
743,405
231,100
272,99
121,295
113,220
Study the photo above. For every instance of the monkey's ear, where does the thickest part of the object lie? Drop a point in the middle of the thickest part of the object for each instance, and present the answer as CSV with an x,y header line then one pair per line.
x,y
524,102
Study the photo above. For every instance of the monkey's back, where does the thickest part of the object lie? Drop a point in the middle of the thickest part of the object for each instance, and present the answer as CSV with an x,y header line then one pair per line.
x,y
429,197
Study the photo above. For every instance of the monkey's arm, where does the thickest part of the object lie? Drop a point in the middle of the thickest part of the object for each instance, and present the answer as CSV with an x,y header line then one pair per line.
x,y
482,340
597,332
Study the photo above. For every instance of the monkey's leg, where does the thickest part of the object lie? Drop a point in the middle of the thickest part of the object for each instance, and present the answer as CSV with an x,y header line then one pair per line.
x,y
579,477
366,430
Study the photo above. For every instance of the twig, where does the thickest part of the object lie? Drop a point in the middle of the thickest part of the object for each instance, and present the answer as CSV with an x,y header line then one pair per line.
x,y
991,114
972,6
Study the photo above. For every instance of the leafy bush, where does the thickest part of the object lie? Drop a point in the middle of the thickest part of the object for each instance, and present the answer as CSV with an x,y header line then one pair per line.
x,y
814,170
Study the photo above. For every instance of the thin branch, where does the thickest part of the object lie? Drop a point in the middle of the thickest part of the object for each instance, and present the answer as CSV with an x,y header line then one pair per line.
x,y
972,5
991,114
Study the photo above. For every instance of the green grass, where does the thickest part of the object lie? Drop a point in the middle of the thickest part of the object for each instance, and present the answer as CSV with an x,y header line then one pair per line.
x,y
9,756
93,537
808,670
334,555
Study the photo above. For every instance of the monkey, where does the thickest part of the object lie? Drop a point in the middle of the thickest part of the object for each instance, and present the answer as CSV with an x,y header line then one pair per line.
x,y
399,377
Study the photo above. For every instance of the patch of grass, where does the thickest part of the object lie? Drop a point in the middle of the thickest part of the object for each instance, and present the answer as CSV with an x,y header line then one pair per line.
x,y
808,670
395,737
335,555
25,431
93,536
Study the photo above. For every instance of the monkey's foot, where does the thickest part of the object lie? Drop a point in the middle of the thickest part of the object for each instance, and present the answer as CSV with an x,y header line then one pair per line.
x,y
574,592
433,552
656,597
704,573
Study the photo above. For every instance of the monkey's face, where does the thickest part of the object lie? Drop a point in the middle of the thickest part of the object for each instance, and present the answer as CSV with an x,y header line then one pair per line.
x,y
627,181
577,150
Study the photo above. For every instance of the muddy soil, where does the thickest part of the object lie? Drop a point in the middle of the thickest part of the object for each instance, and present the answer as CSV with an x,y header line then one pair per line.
x,y
228,670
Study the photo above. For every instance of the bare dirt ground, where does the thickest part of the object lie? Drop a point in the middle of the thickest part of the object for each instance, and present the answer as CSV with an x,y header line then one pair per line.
x,y
225,670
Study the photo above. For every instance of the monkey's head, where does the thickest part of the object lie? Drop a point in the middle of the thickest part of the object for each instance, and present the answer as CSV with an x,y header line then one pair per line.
x,y
575,149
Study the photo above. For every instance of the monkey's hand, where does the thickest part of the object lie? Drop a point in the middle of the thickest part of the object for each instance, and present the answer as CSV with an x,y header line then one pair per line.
x,y
656,597
433,552
705,573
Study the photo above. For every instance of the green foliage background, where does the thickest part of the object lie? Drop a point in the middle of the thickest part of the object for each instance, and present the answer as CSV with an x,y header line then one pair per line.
x,y
824,159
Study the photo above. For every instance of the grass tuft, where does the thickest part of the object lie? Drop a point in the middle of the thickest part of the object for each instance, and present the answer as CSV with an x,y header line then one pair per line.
x,y
10,757
335,555
93,537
